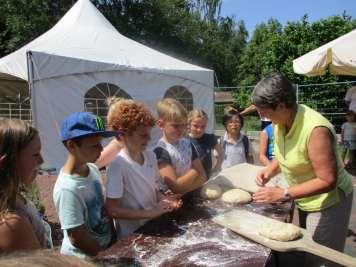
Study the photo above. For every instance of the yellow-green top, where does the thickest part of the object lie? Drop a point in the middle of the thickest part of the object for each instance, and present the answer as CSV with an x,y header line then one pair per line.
x,y
291,151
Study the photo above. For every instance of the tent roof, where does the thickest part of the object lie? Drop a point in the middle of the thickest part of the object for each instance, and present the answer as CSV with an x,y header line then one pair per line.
x,y
85,35
338,55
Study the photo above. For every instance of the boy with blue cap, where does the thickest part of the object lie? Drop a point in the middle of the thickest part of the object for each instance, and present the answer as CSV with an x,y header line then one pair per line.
x,y
78,193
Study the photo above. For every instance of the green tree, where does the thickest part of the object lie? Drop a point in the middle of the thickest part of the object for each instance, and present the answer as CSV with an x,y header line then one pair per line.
x,y
273,48
191,30
209,10
221,46
24,20
258,58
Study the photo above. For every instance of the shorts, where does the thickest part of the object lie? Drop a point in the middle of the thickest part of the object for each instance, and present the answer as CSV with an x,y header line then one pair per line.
x,y
349,144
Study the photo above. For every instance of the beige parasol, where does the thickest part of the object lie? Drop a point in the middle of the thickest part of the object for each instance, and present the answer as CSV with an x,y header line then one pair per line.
x,y
338,55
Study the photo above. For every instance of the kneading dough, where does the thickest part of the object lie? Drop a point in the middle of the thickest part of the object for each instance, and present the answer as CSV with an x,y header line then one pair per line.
x,y
211,191
279,231
236,196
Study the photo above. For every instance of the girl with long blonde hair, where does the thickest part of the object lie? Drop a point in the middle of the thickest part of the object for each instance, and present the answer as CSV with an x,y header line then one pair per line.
x,y
21,226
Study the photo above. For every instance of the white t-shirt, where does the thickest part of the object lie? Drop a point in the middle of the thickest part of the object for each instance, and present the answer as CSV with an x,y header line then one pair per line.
x,y
136,185
349,129
351,97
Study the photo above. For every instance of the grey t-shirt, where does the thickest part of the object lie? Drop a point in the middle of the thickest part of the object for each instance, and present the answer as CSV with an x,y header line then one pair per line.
x,y
233,153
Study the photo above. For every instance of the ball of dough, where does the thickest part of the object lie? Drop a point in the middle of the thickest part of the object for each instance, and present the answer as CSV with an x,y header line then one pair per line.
x,y
279,231
211,191
236,196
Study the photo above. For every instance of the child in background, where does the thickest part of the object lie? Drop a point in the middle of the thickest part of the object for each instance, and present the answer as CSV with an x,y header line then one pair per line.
x,y
21,225
113,148
236,146
204,143
108,154
78,193
177,158
133,179
266,145
348,138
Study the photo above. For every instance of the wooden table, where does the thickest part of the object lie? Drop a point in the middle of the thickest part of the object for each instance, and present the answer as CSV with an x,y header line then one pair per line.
x,y
188,237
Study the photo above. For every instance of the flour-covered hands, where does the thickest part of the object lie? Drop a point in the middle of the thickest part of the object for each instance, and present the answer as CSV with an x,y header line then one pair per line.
x,y
171,202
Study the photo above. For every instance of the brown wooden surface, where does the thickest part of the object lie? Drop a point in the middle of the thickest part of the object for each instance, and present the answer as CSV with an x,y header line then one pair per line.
x,y
246,224
188,237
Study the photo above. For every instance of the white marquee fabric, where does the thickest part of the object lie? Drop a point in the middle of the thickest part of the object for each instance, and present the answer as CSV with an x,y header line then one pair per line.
x,y
338,55
83,49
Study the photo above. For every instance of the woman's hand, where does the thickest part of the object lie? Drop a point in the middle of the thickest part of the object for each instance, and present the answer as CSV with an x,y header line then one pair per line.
x,y
268,194
263,176
267,173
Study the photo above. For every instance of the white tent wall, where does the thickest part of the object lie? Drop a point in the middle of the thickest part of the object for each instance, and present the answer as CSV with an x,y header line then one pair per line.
x,y
57,97
82,50
84,35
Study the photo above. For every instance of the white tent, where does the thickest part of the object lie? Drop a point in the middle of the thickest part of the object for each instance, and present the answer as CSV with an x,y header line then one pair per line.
x,y
82,50
338,55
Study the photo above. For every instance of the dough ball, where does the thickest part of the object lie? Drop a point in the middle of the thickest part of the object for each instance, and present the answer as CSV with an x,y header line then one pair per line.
x,y
236,196
279,231
211,191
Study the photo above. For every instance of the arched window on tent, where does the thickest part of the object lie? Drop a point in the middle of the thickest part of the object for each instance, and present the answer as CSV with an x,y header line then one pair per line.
x,y
181,94
95,98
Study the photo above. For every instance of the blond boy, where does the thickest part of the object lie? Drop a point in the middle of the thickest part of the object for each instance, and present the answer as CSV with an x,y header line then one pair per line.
x,y
177,158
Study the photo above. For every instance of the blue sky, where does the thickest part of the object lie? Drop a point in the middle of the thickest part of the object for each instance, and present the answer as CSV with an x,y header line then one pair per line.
x,y
254,12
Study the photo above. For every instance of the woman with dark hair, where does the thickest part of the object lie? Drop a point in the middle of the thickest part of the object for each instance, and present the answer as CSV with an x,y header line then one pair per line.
x,y
306,153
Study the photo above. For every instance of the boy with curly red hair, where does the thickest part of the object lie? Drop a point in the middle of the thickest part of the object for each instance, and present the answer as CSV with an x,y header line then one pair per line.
x,y
132,194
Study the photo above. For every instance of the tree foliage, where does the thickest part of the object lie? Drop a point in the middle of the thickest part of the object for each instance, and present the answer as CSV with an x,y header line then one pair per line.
x,y
22,21
273,48
192,30
209,10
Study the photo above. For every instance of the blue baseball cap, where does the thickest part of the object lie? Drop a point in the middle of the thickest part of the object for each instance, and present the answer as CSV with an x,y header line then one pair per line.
x,y
82,124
